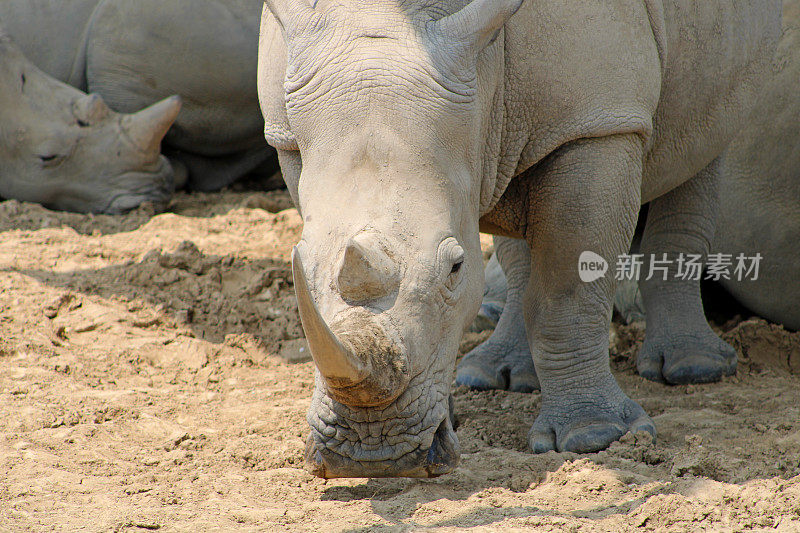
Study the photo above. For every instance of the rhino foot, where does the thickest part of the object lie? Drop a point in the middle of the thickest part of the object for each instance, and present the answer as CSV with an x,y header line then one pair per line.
x,y
701,358
488,316
498,365
502,362
589,428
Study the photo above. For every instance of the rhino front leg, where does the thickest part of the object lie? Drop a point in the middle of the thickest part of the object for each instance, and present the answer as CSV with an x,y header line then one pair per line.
x,y
680,346
504,360
494,295
583,198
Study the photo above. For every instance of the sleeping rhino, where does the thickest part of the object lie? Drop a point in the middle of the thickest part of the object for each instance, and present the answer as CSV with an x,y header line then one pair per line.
x,y
134,53
404,127
759,213
68,150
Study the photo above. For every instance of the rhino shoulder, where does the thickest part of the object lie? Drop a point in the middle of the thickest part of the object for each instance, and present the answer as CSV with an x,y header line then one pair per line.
x,y
580,69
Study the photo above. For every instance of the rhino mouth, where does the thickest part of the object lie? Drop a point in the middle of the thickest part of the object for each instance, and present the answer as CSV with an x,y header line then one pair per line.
x,y
359,444
126,202
137,187
441,457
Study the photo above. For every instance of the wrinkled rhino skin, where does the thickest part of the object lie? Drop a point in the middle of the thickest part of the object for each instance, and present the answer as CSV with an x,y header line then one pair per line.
x,y
135,53
403,127
67,150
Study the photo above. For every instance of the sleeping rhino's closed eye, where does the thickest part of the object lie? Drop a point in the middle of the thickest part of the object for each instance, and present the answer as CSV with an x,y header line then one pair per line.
x,y
50,160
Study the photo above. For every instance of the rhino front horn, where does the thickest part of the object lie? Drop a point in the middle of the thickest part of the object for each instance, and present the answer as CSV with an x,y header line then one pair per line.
x,y
147,127
337,364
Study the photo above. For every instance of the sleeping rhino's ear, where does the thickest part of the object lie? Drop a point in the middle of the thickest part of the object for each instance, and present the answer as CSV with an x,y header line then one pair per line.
x,y
293,15
477,24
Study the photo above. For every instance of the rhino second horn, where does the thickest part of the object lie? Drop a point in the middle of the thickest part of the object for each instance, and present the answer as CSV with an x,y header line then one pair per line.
x,y
147,127
91,108
366,272
336,363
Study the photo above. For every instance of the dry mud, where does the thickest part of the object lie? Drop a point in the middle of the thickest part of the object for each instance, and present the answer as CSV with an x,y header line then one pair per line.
x,y
142,387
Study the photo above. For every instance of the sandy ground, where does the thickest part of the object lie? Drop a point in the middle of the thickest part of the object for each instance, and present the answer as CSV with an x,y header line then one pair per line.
x,y
144,385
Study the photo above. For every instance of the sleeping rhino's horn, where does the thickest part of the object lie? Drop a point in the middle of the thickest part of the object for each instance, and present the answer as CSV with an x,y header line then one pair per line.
x,y
147,127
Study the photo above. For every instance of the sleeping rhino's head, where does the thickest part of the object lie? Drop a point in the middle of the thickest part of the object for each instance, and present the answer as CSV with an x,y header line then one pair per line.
x,y
67,150
389,114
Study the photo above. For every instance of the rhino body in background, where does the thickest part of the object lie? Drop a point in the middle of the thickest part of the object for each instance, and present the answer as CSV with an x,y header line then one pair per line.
x,y
404,126
135,53
760,199
67,150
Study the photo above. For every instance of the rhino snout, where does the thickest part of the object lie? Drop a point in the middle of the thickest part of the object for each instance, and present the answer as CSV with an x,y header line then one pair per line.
x,y
131,189
362,366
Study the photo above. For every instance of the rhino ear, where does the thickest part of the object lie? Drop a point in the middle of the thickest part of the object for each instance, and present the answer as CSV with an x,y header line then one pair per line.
x,y
478,23
292,15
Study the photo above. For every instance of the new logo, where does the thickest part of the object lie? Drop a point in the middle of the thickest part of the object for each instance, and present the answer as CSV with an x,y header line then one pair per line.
x,y
591,267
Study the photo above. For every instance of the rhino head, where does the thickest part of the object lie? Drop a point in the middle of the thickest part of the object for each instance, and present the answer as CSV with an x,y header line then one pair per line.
x,y
389,112
67,150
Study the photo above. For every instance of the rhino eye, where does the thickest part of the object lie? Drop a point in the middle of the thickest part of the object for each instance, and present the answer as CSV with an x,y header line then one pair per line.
x,y
83,123
455,253
457,257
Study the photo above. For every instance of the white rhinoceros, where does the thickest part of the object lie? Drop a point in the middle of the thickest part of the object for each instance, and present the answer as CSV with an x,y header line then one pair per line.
x,y
136,52
67,150
759,213
402,126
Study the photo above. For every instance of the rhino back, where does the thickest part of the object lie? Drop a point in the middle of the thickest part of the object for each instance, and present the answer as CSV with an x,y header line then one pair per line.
x,y
51,33
760,198
717,59
682,72
204,50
